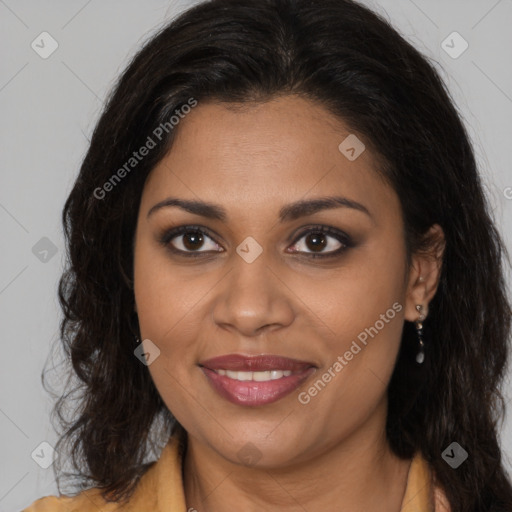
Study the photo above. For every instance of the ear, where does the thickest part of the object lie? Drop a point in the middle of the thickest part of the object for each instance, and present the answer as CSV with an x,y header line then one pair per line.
x,y
425,273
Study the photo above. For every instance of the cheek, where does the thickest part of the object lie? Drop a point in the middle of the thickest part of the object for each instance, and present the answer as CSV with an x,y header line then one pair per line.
x,y
355,296
365,325
363,308
364,330
164,306
169,309
164,297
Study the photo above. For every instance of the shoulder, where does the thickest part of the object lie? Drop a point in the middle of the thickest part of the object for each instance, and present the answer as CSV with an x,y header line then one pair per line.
x,y
160,485
92,500
86,501
44,504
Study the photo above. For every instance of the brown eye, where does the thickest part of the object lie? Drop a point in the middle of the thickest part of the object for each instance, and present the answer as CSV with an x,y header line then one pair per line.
x,y
192,240
189,239
321,241
316,241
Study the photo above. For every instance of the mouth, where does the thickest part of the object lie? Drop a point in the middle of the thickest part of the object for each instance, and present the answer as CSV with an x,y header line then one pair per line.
x,y
255,380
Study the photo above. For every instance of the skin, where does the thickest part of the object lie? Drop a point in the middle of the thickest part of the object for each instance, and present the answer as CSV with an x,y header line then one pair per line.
x,y
330,454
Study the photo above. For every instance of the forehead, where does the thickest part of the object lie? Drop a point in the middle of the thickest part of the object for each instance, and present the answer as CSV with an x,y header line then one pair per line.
x,y
256,154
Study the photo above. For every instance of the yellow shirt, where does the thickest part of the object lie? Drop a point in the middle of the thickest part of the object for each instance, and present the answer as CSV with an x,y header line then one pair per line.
x,y
160,489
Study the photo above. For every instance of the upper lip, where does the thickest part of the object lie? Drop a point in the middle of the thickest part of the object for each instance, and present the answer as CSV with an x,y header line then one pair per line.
x,y
238,362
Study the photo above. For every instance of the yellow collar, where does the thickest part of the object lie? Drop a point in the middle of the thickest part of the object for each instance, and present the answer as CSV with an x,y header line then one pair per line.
x,y
418,492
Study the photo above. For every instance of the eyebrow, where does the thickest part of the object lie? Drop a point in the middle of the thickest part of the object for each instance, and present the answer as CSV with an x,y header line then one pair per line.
x,y
289,212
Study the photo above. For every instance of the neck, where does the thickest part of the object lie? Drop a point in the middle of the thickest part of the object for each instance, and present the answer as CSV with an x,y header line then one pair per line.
x,y
359,472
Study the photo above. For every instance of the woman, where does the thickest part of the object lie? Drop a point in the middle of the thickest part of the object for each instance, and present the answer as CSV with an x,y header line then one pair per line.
x,y
282,203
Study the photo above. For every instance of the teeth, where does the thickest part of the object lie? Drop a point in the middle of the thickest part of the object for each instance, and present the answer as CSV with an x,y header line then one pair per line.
x,y
255,376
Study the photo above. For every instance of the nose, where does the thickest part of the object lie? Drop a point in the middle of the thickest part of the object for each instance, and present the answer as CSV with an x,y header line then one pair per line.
x,y
253,299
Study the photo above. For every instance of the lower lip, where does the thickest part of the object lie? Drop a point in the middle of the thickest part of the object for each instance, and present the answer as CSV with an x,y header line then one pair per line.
x,y
254,393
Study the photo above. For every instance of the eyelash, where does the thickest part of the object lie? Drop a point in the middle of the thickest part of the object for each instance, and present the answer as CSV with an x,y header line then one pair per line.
x,y
165,238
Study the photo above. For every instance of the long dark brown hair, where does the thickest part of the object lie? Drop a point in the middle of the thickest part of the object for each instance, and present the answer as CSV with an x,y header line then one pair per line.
x,y
351,61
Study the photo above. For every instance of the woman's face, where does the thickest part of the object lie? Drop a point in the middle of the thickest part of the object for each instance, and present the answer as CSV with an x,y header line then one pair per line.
x,y
247,284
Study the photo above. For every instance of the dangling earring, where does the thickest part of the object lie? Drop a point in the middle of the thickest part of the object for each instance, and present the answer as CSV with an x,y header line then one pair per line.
x,y
420,356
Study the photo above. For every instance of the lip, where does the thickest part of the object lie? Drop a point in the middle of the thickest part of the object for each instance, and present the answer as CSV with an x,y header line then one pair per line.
x,y
255,393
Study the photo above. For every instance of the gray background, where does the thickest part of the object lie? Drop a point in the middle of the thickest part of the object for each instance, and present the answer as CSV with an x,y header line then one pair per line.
x,y
49,108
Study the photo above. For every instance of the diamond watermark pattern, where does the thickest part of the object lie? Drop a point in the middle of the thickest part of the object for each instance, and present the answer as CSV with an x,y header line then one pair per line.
x,y
249,454
351,147
43,455
454,455
44,45
147,352
454,45
44,250
249,249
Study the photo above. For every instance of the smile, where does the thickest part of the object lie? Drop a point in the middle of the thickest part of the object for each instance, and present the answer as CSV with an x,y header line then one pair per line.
x,y
255,380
